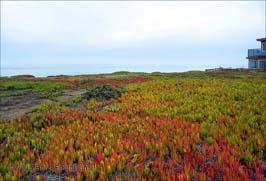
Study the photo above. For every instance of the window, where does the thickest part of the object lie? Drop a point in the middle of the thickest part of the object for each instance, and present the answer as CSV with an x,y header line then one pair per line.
x,y
252,64
263,64
263,46
250,52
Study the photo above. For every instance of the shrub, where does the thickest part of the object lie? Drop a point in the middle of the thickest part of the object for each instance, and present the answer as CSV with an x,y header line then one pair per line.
x,y
103,93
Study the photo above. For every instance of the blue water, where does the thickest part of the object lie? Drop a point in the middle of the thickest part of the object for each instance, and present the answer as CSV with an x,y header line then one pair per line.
x,y
93,69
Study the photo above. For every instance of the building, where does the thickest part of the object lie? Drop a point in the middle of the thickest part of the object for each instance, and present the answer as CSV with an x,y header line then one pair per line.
x,y
257,57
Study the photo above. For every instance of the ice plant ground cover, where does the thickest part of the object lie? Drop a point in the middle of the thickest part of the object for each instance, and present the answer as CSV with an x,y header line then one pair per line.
x,y
190,126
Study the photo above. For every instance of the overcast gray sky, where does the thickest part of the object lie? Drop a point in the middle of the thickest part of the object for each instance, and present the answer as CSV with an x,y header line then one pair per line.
x,y
132,32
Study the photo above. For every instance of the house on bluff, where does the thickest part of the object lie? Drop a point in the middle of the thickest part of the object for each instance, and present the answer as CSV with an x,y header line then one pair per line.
x,y
257,57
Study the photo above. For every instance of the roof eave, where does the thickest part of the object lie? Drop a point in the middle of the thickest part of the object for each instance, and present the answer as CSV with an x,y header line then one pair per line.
x,y
257,57
261,39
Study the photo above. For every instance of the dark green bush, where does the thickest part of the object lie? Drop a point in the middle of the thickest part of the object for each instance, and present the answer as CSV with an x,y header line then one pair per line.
x,y
103,93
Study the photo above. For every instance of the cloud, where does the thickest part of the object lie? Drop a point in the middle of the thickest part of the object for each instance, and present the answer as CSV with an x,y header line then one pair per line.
x,y
119,24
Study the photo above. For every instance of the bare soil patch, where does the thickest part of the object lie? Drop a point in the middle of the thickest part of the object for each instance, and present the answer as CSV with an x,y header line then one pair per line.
x,y
13,107
18,103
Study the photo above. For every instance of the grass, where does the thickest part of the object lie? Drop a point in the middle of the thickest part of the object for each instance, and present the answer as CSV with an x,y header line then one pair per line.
x,y
78,99
34,86
2,95
50,95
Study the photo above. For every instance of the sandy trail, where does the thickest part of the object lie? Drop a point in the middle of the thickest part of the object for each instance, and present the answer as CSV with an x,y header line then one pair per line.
x,y
15,106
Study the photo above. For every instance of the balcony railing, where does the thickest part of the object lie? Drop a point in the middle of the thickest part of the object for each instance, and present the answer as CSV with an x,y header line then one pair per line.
x,y
255,52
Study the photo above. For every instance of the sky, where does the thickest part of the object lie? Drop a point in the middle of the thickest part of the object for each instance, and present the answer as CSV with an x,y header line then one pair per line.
x,y
173,33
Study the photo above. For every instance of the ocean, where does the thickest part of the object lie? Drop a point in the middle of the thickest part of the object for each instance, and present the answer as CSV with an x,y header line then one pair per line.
x,y
93,69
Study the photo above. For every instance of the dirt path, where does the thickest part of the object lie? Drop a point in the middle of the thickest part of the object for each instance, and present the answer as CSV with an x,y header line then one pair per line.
x,y
13,107
16,105
69,95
